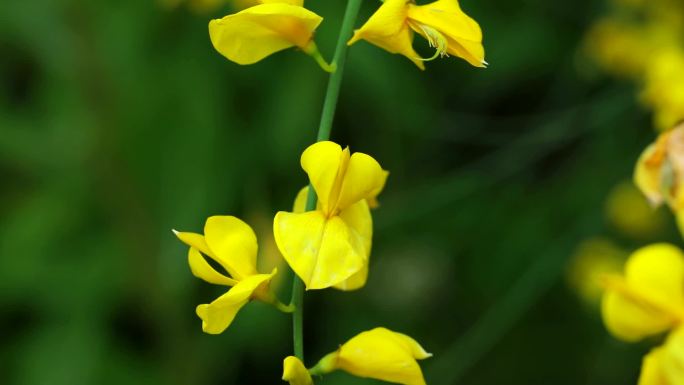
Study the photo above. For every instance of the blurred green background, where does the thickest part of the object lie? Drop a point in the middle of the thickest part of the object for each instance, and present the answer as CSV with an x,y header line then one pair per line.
x,y
119,122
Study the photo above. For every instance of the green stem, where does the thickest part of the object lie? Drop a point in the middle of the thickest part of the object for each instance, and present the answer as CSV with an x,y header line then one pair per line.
x,y
329,105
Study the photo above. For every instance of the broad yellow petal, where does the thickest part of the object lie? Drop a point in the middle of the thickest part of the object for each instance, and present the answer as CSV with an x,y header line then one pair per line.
x,y
218,315
295,372
463,34
233,243
649,300
387,28
325,163
322,251
257,32
358,218
363,179
203,270
383,355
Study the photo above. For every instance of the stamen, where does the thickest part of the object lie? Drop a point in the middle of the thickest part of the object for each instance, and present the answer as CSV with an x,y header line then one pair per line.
x,y
436,40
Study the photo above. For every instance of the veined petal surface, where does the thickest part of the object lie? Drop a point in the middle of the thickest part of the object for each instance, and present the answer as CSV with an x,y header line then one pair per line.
x,y
322,251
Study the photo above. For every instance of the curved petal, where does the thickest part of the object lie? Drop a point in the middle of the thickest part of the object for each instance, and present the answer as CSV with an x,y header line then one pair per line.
x,y
233,243
325,163
387,29
462,32
218,315
647,174
193,240
323,252
359,219
295,372
203,270
384,355
649,300
257,32
362,178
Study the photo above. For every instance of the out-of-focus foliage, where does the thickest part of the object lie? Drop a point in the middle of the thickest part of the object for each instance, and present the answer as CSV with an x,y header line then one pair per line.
x,y
118,122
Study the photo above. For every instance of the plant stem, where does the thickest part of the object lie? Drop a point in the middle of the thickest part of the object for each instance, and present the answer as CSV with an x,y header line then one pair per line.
x,y
327,115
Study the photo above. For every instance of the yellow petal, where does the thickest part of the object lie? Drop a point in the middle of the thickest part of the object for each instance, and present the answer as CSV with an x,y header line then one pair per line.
x,y
295,372
256,32
387,28
383,355
463,34
647,173
299,205
218,315
233,244
650,299
373,196
193,240
323,252
651,369
358,218
672,358
363,179
203,270
325,163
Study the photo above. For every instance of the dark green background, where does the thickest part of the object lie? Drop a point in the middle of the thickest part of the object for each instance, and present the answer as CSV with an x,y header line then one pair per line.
x,y
118,122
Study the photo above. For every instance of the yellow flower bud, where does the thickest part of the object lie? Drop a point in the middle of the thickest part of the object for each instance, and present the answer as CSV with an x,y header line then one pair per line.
x,y
295,372
380,354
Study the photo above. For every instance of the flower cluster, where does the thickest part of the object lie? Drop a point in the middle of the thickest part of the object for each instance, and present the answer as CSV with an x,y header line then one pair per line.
x,y
641,40
270,26
328,246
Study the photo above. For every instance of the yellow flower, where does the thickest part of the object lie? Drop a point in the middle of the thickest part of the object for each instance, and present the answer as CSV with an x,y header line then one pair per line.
x,y
593,259
629,212
232,244
445,26
259,31
664,87
665,365
649,298
659,172
327,246
380,354
295,372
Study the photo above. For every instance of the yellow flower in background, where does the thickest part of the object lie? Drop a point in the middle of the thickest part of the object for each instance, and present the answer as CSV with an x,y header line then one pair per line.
x,y
649,298
327,246
628,211
259,31
295,372
232,244
665,365
659,172
664,87
380,354
593,259
445,26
